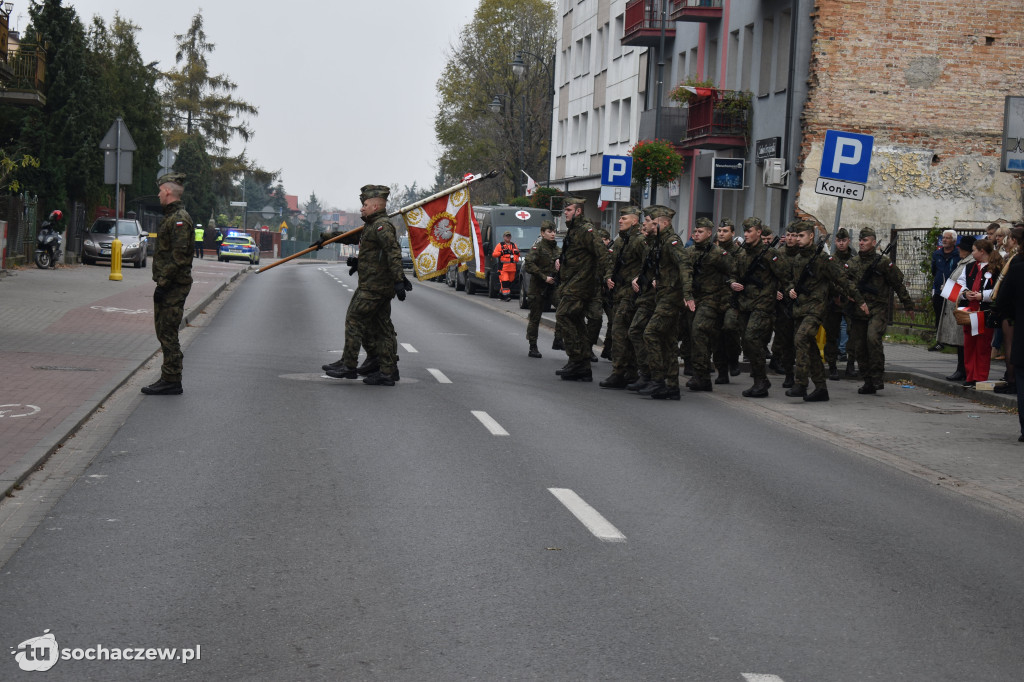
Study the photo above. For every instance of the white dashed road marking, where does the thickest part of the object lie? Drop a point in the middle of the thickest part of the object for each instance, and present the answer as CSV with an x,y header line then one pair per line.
x,y
409,349
488,421
439,375
754,677
588,516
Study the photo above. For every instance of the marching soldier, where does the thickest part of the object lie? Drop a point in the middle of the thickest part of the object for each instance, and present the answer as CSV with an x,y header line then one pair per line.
x,y
712,271
583,257
671,282
875,277
836,310
782,344
627,257
813,275
172,272
762,275
644,294
599,306
727,352
540,263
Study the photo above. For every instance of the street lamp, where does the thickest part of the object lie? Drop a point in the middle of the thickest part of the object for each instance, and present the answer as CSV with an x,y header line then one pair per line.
x,y
495,107
519,70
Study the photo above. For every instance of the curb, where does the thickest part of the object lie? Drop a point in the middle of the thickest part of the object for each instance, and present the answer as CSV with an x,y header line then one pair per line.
x,y
40,452
1000,400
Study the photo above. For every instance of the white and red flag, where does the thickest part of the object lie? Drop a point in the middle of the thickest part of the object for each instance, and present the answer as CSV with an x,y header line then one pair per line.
x,y
700,92
442,232
951,290
977,321
531,184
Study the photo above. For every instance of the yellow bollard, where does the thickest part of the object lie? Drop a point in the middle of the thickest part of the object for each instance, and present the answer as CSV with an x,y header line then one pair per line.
x,y
115,260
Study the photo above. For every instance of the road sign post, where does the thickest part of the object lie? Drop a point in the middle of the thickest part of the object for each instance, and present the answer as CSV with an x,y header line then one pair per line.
x,y
845,164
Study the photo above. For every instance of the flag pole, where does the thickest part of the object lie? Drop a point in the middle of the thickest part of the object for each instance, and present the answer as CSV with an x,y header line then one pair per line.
x,y
404,209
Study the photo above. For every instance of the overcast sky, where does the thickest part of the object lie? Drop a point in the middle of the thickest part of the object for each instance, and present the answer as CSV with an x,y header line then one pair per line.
x,y
346,90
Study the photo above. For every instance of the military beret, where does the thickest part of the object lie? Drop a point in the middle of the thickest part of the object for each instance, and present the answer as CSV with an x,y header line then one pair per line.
x,y
752,221
548,225
867,232
631,210
843,233
374,191
574,201
726,222
659,211
705,222
177,178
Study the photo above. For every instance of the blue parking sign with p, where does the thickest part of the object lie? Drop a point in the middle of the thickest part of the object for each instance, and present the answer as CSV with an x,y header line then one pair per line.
x,y
617,171
847,156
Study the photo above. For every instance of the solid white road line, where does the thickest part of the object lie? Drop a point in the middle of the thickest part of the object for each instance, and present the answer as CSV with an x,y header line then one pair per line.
x,y
439,375
488,421
409,349
588,516
754,677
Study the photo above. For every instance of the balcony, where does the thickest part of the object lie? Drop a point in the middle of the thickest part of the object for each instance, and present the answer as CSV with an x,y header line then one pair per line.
x,y
24,76
642,25
674,121
695,10
721,121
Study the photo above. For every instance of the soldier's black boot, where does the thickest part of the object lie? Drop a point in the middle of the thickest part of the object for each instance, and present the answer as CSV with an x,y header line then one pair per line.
x,y
162,387
651,387
379,379
343,372
333,365
369,366
534,353
776,367
833,371
879,384
734,368
758,390
851,370
557,344
593,358
666,393
868,388
616,381
687,369
640,382
723,374
580,372
606,352
565,368
819,395
700,384
797,391
789,381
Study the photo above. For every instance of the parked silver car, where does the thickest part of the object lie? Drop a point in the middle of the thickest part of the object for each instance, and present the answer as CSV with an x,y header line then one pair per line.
x,y
96,245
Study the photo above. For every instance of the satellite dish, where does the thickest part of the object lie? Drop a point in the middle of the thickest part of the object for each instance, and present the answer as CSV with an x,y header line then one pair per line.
x,y
268,212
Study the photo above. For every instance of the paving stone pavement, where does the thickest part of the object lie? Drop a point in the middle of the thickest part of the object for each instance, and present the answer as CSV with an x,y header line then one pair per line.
x,y
68,338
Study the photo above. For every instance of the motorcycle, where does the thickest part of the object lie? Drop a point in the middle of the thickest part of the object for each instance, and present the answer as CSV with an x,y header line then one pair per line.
x,y
48,242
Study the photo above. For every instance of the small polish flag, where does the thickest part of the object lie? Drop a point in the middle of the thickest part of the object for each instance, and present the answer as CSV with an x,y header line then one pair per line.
x,y
951,290
602,205
700,92
977,322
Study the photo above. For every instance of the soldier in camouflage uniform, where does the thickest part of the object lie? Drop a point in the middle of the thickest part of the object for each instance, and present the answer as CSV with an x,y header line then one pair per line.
x,y
172,272
671,291
835,311
814,276
761,273
643,297
712,271
540,264
783,353
730,342
583,257
381,278
875,277
628,258
599,306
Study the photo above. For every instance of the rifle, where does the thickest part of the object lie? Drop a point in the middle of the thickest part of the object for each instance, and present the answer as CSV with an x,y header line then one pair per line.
x,y
404,209
862,284
748,276
652,261
619,260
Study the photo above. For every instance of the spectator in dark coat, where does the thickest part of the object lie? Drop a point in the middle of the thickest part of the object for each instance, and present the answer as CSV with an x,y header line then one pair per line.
x,y
944,261
1010,303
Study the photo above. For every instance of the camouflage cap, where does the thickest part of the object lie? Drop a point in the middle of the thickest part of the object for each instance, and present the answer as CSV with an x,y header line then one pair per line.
x,y
374,191
548,225
705,222
574,201
766,231
752,221
176,178
659,211
866,232
631,210
726,222
800,226
843,233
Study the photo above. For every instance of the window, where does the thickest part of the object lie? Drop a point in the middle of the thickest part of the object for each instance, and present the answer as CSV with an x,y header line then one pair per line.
x,y
680,75
561,139
732,61
597,143
764,83
583,133
693,63
625,125
566,64
599,63
578,65
748,54
613,123
616,37
574,143
782,54
586,55
711,59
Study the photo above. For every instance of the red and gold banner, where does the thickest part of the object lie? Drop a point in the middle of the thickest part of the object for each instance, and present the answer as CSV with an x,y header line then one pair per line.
x,y
442,232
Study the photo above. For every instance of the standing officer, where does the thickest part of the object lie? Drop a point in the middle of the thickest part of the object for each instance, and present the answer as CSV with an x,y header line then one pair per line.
x,y
671,291
875,277
507,254
199,241
762,275
712,272
628,258
583,257
814,275
540,264
381,278
172,272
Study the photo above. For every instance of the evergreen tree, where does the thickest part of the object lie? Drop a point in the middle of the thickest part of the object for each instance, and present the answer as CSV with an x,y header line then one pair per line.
x,y
193,160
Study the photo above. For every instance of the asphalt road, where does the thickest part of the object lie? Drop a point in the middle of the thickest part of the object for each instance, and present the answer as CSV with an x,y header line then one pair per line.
x,y
484,520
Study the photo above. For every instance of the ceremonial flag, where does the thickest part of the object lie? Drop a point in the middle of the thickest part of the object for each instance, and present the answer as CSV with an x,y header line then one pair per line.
x,y
700,92
951,290
442,232
531,184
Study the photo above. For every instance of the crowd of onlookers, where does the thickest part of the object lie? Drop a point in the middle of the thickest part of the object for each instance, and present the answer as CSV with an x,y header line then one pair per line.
x,y
974,298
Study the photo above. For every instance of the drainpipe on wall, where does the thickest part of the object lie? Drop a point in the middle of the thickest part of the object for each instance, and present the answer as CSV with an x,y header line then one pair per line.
x,y
785,210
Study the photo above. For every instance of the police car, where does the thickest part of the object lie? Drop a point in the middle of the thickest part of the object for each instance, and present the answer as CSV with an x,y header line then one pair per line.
x,y
239,246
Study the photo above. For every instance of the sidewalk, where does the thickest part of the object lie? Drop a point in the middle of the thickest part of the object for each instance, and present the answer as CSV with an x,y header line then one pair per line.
x,y
68,338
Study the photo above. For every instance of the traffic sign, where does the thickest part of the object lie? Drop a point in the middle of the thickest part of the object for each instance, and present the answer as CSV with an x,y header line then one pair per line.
x,y
617,171
847,156
839,188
